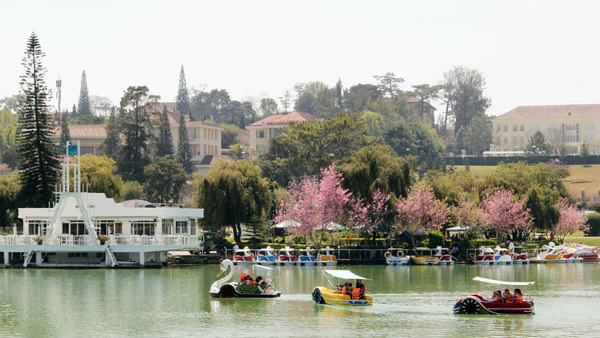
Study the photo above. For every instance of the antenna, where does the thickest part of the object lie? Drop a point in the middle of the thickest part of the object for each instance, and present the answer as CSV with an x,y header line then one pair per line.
x,y
58,87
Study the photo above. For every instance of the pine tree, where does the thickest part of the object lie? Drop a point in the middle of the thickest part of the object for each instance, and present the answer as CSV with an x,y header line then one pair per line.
x,y
37,153
74,113
65,134
135,123
183,98
164,145
110,146
84,97
184,150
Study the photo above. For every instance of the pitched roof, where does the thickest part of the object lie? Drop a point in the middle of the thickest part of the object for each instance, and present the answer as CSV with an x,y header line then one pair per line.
x,y
283,119
174,117
85,130
415,100
549,112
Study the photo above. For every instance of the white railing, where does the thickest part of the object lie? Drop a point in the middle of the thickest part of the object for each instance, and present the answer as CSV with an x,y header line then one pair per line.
x,y
177,240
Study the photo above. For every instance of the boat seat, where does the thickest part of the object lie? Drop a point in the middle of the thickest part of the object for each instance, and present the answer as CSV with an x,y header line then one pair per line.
x,y
248,259
272,258
238,258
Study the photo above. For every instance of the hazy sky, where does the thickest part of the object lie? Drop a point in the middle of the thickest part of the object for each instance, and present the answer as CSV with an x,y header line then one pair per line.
x,y
530,52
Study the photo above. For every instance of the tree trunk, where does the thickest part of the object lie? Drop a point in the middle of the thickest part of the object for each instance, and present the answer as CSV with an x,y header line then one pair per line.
x,y
237,233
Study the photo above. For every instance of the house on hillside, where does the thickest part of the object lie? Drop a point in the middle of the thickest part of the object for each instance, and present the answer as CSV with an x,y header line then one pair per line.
x,y
424,110
262,131
571,125
90,136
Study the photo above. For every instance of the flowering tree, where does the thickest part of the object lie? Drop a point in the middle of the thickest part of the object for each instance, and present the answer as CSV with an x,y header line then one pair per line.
x,y
570,219
505,213
467,214
315,204
420,210
369,216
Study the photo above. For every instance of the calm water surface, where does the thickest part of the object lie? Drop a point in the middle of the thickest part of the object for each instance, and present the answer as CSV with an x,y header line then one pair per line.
x,y
410,301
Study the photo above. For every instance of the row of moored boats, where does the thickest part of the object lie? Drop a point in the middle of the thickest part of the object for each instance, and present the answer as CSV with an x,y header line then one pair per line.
x,y
285,256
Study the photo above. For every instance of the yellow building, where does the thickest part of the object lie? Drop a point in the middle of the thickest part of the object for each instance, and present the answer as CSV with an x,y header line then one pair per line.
x,y
90,137
264,130
571,125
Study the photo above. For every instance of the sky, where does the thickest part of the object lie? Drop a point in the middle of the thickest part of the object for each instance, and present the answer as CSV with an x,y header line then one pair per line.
x,y
530,52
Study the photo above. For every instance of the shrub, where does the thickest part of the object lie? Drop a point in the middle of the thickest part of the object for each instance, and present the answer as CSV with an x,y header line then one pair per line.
x,y
595,206
434,239
594,224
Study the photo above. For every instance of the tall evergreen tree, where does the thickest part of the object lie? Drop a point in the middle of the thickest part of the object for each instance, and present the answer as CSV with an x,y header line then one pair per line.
x,y
74,112
84,98
164,145
184,150
183,97
110,146
36,151
135,119
65,134
339,97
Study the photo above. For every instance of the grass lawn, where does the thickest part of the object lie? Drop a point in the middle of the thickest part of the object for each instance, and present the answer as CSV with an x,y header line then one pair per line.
x,y
587,177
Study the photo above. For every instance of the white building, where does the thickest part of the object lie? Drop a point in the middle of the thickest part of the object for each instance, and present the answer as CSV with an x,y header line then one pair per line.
x,y
89,230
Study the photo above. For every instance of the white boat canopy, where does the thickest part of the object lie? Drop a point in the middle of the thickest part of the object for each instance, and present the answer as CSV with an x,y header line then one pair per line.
x,y
498,282
344,274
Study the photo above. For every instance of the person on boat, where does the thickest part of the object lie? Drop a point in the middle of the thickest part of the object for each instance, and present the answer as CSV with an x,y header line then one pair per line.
x,y
356,293
497,297
235,248
511,247
262,285
518,296
243,277
360,285
507,296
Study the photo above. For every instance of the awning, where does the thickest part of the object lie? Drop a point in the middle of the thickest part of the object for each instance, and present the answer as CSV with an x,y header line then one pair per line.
x,y
344,274
498,282
287,223
457,228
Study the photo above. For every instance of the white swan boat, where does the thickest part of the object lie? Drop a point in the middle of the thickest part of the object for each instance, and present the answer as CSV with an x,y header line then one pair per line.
x,y
398,259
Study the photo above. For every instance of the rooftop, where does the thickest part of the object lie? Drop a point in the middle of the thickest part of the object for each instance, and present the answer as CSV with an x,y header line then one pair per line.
x,y
549,112
283,119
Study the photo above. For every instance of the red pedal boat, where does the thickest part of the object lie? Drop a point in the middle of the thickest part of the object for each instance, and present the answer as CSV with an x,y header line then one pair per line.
x,y
477,304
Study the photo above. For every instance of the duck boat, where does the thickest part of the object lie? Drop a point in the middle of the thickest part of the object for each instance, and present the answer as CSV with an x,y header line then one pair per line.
x,y
336,295
444,256
326,258
265,256
477,304
424,256
502,256
222,288
521,258
397,259
305,257
243,257
485,257
286,257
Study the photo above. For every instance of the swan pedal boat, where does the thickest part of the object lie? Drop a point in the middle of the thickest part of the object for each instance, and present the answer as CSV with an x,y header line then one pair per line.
x,y
243,257
323,295
477,304
224,289
265,257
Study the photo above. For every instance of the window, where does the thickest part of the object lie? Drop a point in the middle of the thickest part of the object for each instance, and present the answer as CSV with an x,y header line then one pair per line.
x,y
535,127
571,132
522,128
505,140
514,127
167,226
589,126
551,127
37,227
589,138
143,228
192,133
505,128
105,227
260,134
75,228
498,129
181,227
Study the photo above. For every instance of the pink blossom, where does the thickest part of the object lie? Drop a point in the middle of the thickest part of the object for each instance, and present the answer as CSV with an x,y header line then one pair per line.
x,y
570,219
505,213
420,210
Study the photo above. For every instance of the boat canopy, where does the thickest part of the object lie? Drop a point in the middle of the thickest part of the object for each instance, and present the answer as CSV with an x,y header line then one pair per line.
x,y
498,282
344,274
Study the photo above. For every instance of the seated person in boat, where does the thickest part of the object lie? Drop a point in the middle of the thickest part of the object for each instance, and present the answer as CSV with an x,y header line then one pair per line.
x,y
262,285
349,289
497,296
518,297
507,296
361,286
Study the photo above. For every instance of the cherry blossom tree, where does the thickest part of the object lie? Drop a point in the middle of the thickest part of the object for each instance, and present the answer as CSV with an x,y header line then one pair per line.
x,y
570,219
505,213
467,214
421,211
314,204
369,216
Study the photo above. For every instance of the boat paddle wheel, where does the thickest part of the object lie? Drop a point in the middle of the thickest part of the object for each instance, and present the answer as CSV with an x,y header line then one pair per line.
x,y
317,296
222,288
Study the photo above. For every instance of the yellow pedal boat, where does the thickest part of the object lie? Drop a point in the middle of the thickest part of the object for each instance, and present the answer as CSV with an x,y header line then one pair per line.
x,y
334,296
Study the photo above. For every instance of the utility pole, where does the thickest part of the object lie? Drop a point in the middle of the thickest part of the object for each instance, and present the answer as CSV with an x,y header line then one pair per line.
x,y
58,86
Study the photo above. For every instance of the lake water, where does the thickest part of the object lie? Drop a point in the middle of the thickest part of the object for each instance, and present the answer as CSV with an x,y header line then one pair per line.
x,y
409,301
